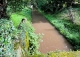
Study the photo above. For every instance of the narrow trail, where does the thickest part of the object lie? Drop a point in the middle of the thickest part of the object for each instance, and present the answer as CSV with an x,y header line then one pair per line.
x,y
52,39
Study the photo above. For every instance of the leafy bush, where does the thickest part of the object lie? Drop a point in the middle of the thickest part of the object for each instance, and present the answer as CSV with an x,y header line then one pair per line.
x,y
54,6
15,5
33,39
7,34
40,3
8,45
59,54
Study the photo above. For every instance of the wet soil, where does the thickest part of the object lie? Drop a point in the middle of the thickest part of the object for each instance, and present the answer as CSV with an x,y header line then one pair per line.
x,y
52,39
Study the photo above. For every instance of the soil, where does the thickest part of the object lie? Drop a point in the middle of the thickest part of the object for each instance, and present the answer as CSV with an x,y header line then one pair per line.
x,y
52,39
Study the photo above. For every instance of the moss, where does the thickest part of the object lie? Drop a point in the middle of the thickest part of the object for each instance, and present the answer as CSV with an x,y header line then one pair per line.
x,y
27,40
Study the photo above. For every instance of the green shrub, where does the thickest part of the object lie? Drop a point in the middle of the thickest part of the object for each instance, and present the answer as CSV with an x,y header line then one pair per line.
x,y
59,54
7,35
54,6
33,38
27,13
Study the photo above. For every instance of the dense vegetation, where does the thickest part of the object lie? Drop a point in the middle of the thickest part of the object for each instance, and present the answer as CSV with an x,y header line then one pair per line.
x,y
7,34
59,54
53,6
17,5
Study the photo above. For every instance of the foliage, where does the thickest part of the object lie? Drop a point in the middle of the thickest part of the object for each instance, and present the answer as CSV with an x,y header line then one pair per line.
x,y
7,35
34,40
59,54
53,6
63,54
65,15
17,5
40,3
24,38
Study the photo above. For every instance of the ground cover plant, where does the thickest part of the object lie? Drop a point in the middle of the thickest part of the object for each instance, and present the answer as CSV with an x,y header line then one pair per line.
x,y
7,35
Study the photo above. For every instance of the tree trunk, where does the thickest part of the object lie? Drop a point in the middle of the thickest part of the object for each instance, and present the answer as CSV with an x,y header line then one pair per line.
x,y
3,6
71,15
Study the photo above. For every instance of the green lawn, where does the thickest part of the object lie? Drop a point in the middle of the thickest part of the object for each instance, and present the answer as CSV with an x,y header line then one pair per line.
x,y
17,16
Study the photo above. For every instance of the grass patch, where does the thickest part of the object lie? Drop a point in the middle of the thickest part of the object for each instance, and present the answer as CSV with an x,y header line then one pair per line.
x,y
17,17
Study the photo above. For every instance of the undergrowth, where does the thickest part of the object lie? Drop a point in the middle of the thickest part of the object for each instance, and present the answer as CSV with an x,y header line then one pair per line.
x,y
7,35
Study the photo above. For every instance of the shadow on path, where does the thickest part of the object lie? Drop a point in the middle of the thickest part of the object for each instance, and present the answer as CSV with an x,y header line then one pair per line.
x,y
38,18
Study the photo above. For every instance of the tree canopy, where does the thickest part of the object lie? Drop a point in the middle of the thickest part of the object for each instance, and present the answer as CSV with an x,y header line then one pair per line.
x,y
54,5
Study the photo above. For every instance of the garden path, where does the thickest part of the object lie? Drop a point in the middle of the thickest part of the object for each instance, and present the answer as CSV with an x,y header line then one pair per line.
x,y
52,39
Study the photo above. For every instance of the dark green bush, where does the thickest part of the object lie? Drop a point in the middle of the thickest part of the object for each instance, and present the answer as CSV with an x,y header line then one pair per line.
x,y
15,5
33,38
53,6
7,34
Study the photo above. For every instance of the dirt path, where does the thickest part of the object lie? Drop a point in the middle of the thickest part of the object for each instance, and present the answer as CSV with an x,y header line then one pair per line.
x,y
52,40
